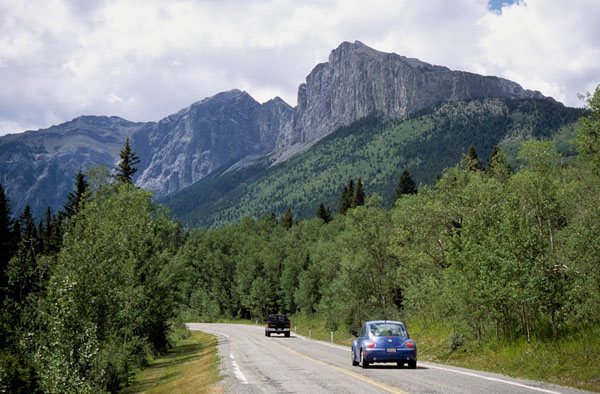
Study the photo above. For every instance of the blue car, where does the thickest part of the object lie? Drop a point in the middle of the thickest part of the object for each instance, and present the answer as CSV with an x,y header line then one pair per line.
x,y
383,341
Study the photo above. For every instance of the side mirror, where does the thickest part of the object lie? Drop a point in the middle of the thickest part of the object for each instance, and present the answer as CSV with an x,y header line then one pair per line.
x,y
355,333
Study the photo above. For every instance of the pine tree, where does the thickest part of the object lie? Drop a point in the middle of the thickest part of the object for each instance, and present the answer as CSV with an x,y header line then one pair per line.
x,y
406,185
498,165
324,213
358,198
75,199
473,163
7,246
346,198
125,169
287,220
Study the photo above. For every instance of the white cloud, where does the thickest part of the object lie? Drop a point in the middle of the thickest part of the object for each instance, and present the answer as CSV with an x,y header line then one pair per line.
x,y
553,46
143,60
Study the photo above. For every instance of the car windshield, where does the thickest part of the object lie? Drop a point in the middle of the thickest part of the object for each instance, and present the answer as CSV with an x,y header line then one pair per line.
x,y
387,330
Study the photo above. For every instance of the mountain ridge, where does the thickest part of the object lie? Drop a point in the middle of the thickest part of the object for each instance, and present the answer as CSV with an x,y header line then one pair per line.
x,y
38,167
376,150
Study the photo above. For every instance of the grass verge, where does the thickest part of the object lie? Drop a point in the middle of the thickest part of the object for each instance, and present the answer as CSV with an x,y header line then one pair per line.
x,y
192,366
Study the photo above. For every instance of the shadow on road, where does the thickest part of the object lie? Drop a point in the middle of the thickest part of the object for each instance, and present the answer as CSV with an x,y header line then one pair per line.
x,y
392,366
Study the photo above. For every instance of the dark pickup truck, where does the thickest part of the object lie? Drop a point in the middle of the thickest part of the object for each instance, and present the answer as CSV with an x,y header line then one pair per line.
x,y
278,324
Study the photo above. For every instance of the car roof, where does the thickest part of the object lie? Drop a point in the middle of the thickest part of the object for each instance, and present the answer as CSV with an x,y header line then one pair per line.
x,y
384,321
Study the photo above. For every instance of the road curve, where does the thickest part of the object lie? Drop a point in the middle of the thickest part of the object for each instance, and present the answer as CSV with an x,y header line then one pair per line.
x,y
254,363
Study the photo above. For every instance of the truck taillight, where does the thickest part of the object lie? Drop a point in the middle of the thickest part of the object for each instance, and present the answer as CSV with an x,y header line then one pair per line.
x,y
269,324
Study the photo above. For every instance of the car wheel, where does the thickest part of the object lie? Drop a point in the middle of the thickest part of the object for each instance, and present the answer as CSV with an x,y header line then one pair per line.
x,y
400,364
354,362
412,364
363,363
268,334
287,334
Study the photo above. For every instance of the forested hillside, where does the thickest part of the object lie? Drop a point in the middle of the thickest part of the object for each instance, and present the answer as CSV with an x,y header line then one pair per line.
x,y
375,150
90,293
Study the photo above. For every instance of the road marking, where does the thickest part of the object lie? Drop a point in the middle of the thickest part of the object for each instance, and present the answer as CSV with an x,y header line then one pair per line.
x,y
339,347
492,379
346,371
237,371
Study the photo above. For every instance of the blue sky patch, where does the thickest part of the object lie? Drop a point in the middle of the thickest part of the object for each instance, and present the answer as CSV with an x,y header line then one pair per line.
x,y
496,5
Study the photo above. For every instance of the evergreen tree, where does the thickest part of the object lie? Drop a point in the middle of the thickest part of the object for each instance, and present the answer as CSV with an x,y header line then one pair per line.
x,y
498,165
358,198
75,199
406,185
6,241
324,214
474,163
287,220
51,233
125,169
346,198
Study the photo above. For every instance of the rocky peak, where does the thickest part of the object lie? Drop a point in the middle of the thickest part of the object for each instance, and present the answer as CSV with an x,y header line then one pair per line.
x,y
226,128
358,81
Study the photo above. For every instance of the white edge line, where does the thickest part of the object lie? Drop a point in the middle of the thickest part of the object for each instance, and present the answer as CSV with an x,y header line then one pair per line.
x,y
339,347
492,379
237,371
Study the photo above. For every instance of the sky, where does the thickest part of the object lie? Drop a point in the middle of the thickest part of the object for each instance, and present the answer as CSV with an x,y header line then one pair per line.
x,y
145,59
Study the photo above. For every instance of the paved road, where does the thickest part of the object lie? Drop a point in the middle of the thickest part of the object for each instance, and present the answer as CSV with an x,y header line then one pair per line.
x,y
254,363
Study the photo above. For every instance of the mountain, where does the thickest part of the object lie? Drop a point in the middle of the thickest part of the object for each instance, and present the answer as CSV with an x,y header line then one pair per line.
x,y
359,81
377,150
231,132
38,167
185,147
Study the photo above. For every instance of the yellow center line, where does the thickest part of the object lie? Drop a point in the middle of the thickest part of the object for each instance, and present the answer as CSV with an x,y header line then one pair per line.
x,y
344,370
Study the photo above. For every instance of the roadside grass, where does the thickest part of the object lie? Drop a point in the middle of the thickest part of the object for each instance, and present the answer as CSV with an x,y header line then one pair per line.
x,y
192,366
574,362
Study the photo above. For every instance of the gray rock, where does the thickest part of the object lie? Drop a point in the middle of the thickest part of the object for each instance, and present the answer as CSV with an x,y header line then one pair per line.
x,y
358,81
227,128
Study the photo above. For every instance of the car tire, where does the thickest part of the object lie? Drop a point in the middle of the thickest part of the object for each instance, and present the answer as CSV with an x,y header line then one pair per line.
x,y
400,364
412,364
268,334
363,363
287,334
354,362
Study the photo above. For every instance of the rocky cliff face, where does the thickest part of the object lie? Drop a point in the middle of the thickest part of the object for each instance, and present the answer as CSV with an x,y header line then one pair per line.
x,y
38,167
224,129
358,81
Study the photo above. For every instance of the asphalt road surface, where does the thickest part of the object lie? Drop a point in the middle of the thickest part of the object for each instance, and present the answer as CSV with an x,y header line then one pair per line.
x,y
254,363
